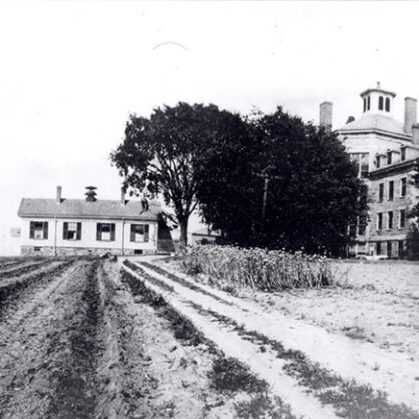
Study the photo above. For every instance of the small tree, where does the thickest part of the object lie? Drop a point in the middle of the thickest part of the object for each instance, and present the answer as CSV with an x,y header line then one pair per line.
x,y
162,154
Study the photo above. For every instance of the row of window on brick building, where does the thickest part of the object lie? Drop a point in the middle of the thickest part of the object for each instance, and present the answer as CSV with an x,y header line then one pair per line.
x,y
362,165
390,157
390,220
390,189
104,231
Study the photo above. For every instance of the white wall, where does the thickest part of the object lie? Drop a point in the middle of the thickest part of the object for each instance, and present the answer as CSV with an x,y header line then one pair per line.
x,y
9,246
88,234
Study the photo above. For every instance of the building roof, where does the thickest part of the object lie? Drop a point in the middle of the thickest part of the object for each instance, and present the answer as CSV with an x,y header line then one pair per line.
x,y
79,208
204,232
376,122
379,90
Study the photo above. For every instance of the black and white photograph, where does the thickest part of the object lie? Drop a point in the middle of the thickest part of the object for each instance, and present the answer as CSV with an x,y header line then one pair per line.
x,y
209,209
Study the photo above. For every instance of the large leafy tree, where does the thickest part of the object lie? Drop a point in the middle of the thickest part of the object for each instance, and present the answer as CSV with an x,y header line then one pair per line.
x,y
162,154
313,193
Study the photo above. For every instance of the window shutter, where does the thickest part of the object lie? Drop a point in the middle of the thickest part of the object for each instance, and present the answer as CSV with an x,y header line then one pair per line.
x,y
132,235
78,231
31,230
98,230
45,230
112,232
65,230
146,232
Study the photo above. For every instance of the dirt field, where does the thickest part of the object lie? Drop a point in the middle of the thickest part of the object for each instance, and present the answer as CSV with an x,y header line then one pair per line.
x,y
365,333
102,339
80,340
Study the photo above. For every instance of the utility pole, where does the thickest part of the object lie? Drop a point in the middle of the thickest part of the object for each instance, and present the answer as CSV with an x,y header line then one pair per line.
x,y
265,175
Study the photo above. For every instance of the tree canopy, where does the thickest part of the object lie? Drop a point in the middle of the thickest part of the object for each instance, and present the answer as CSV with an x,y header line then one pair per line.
x,y
161,154
313,192
265,180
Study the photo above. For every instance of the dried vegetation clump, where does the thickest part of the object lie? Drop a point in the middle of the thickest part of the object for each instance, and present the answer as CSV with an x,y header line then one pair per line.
x,y
259,268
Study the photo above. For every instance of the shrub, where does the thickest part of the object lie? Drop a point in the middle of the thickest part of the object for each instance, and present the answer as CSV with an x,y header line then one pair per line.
x,y
259,268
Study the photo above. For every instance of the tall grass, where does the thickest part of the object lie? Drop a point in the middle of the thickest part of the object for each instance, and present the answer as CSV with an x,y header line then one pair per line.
x,y
259,268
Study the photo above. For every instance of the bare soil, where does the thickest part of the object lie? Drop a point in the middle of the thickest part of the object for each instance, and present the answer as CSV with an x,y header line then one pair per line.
x,y
335,339
87,339
80,341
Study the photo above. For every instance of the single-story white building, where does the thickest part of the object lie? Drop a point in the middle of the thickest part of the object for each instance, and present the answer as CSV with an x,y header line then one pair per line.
x,y
79,226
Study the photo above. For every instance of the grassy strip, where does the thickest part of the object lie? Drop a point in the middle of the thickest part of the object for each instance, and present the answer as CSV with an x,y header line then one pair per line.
x,y
11,290
74,376
183,282
228,375
350,399
154,281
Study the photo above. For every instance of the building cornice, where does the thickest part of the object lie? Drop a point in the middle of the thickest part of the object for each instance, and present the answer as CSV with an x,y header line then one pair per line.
x,y
393,135
378,90
393,168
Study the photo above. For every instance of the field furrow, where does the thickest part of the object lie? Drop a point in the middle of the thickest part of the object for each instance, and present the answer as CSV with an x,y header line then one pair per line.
x,y
85,342
22,269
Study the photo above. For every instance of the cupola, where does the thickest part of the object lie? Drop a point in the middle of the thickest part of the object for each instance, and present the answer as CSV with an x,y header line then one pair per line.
x,y
378,101
90,193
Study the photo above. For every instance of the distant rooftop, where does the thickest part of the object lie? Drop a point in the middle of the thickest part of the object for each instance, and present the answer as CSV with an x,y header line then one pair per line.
x,y
379,122
79,208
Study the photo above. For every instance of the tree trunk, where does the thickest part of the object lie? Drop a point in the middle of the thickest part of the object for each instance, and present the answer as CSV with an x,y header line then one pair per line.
x,y
184,233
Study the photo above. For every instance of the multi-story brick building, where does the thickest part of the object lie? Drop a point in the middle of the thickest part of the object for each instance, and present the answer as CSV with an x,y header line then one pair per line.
x,y
394,192
386,152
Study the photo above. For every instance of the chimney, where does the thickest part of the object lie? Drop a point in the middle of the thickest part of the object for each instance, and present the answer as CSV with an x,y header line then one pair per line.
x,y
59,193
326,109
415,134
410,107
123,196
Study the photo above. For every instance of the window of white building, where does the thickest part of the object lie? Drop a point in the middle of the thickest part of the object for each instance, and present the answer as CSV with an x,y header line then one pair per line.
x,y
71,231
139,233
38,230
105,232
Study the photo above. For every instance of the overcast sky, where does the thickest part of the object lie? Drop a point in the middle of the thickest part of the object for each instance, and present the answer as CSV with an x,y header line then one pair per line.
x,y
72,72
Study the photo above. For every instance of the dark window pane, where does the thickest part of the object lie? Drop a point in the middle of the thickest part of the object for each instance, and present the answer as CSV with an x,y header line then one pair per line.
x,y
403,184
391,190
379,221
402,218
390,220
